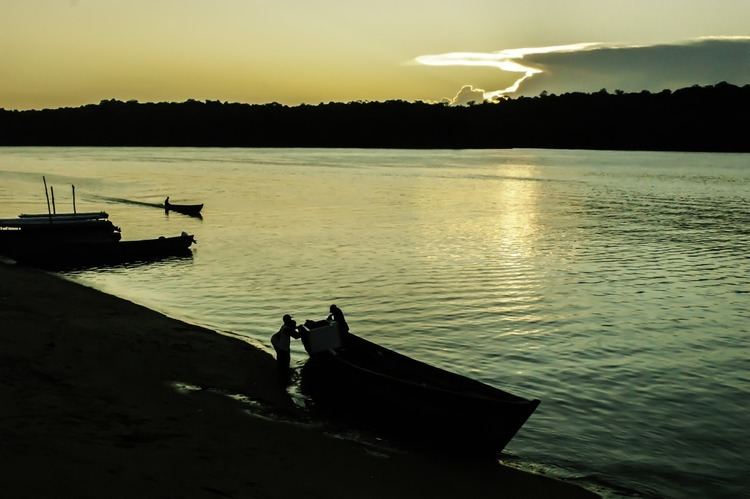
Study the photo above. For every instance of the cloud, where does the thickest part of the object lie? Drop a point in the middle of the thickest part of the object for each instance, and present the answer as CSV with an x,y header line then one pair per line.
x,y
468,94
595,65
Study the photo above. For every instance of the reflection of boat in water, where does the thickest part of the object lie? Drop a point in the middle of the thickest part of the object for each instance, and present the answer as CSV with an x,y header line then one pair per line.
x,y
78,240
365,383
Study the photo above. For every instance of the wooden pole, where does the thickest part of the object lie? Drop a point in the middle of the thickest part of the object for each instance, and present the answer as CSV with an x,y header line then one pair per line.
x,y
52,190
74,198
46,194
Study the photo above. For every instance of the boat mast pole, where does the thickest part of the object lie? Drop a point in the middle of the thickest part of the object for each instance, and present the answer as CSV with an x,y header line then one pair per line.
x,y
47,196
74,198
52,190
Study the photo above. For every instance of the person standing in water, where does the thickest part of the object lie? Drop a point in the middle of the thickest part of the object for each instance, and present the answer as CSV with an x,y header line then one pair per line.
x,y
281,345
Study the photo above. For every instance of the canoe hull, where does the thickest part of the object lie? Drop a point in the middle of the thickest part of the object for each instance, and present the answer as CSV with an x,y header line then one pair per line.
x,y
413,402
193,210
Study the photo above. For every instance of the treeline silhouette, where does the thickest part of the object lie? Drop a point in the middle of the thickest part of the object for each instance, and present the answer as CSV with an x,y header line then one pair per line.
x,y
709,118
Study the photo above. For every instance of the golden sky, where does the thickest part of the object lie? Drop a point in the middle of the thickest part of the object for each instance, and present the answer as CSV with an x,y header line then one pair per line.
x,y
57,53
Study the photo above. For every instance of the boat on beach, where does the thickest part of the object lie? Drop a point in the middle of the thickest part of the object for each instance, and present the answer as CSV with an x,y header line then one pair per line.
x,y
366,384
59,217
44,230
77,240
63,240
77,254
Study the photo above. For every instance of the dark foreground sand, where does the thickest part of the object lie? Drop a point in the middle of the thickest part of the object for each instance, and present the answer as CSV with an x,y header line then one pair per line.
x,y
88,409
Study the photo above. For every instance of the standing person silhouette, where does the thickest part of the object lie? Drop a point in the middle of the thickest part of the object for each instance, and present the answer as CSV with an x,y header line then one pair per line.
x,y
280,342
338,316
166,204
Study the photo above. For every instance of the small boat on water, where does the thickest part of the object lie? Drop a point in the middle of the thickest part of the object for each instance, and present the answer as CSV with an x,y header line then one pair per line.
x,y
193,210
365,383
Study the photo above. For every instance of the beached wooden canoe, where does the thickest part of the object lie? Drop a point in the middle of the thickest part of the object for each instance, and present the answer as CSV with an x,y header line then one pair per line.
x,y
194,210
366,384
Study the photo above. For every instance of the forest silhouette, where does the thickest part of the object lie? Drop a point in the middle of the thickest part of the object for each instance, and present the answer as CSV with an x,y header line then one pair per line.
x,y
708,118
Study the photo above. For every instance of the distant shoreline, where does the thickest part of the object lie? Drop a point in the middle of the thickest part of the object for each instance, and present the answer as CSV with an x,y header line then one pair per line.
x,y
3,146
693,119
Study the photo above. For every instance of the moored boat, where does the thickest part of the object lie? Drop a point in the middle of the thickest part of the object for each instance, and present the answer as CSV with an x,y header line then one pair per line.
x,y
60,240
365,383
94,215
78,240
59,219
41,230
78,253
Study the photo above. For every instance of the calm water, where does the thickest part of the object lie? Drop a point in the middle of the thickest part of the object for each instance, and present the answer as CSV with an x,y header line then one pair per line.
x,y
613,286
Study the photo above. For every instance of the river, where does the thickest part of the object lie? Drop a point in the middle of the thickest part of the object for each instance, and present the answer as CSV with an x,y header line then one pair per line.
x,y
613,286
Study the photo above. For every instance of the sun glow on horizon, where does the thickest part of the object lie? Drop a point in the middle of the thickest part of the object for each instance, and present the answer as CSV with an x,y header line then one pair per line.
x,y
63,53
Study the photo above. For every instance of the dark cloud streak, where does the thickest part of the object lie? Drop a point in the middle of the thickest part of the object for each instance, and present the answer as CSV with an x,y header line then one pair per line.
x,y
703,62
590,66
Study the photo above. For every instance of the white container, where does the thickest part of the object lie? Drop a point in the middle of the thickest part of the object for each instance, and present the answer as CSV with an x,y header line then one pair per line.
x,y
324,338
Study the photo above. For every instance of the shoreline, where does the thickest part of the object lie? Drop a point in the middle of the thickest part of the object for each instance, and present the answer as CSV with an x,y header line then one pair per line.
x,y
90,387
543,121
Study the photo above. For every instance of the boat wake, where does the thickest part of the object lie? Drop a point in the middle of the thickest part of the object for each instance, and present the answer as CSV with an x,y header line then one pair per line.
x,y
125,201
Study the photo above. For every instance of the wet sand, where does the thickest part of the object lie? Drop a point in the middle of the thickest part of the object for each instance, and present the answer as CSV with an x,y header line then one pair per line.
x,y
89,408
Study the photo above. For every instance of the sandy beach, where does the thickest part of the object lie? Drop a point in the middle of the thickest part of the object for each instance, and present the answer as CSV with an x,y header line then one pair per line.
x,y
91,407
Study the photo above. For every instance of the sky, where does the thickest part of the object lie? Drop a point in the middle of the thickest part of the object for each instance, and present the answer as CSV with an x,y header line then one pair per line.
x,y
56,53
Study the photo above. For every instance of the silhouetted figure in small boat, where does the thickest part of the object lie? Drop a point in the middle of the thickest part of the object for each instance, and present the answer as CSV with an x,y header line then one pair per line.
x,y
338,316
281,344
166,204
